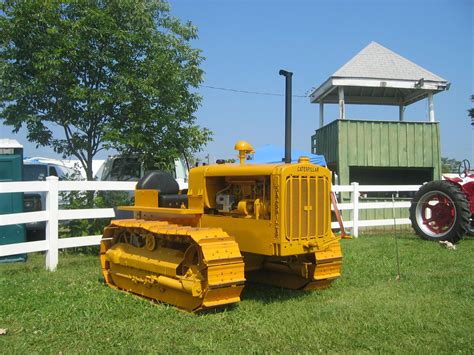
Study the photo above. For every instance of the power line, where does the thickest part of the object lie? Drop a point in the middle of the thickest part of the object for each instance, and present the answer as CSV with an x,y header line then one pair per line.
x,y
248,92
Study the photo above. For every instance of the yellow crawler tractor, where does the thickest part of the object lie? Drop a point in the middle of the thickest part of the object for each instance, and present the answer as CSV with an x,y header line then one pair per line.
x,y
268,223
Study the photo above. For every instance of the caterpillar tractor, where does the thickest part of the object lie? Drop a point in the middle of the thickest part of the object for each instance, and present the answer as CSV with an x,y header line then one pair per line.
x,y
266,223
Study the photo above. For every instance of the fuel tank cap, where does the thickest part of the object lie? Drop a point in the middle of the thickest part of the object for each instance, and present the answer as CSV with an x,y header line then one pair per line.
x,y
303,159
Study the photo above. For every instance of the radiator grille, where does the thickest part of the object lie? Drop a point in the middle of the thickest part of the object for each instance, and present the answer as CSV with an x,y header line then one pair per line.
x,y
307,207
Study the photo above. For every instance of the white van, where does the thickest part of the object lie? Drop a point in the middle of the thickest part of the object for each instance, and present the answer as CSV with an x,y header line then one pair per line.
x,y
39,168
120,168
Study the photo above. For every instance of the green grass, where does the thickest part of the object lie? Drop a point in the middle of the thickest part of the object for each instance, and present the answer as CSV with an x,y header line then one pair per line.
x,y
429,310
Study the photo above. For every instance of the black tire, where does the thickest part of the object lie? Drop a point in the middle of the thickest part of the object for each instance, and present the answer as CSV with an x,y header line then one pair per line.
x,y
450,212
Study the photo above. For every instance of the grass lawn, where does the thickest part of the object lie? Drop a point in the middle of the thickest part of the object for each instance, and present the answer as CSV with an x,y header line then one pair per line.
x,y
429,310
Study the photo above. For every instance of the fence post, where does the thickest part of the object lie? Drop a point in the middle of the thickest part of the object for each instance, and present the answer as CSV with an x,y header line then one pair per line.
x,y
52,201
355,209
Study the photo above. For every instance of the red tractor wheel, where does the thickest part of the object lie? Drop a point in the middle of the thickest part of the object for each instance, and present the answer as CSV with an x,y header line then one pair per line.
x,y
440,211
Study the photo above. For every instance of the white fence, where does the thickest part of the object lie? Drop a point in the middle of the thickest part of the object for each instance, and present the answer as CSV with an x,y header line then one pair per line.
x,y
52,214
356,205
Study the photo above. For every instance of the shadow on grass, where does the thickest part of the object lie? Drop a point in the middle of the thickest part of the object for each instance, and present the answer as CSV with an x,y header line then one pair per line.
x,y
269,294
34,262
213,311
252,292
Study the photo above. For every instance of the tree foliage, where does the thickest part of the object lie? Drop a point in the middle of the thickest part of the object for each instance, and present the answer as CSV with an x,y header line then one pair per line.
x,y
105,74
449,165
82,200
471,111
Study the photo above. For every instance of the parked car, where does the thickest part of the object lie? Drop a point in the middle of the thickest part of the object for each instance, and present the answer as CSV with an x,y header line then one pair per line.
x,y
37,169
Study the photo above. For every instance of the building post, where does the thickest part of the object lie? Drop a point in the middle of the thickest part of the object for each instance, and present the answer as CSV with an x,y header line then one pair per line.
x,y
342,113
355,209
431,107
52,201
401,112
321,114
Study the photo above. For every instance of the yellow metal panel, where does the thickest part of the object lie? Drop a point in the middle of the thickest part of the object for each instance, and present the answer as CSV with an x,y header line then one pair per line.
x,y
248,169
146,198
162,261
253,236
162,210
139,282
197,185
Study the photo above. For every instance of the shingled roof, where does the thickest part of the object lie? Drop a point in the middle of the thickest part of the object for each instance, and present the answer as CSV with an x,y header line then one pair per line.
x,y
377,75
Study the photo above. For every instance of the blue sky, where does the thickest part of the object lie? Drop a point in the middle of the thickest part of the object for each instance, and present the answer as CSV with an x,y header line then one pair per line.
x,y
246,43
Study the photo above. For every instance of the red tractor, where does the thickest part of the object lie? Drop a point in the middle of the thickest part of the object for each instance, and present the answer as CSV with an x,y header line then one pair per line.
x,y
444,210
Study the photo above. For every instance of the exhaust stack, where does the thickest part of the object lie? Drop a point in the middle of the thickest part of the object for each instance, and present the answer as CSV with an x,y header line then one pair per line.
x,y
288,93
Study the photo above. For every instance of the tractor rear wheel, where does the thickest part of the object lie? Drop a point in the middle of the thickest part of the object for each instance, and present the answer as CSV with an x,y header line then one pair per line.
x,y
440,211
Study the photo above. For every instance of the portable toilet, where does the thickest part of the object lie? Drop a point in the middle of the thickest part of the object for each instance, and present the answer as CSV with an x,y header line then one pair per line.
x,y
11,169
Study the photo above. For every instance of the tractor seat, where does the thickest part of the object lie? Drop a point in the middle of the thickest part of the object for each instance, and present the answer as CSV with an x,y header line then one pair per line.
x,y
168,189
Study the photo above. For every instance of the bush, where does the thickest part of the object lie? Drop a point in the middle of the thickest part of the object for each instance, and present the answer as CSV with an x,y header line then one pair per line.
x,y
86,200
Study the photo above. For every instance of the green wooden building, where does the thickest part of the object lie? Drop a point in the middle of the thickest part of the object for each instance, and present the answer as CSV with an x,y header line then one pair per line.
x,y
379,152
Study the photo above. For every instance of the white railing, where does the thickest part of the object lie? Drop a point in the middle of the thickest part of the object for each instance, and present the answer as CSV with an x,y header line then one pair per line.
x,y
52,214
356,205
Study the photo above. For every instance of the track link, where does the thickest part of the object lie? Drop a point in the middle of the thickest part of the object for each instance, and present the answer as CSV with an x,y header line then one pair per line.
x,y
188,267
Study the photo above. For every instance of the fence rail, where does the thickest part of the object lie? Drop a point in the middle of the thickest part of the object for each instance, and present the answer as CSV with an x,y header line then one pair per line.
x,y
52,214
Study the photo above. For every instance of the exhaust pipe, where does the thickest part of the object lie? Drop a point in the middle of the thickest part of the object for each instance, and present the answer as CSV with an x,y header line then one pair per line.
x,y
288,76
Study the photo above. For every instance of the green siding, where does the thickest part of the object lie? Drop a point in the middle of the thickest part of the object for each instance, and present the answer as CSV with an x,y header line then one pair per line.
x,y
11,167
391,144
328,144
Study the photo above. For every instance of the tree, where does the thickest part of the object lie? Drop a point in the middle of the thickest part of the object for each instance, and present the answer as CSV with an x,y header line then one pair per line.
x,y
471,111
449,165
108,74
